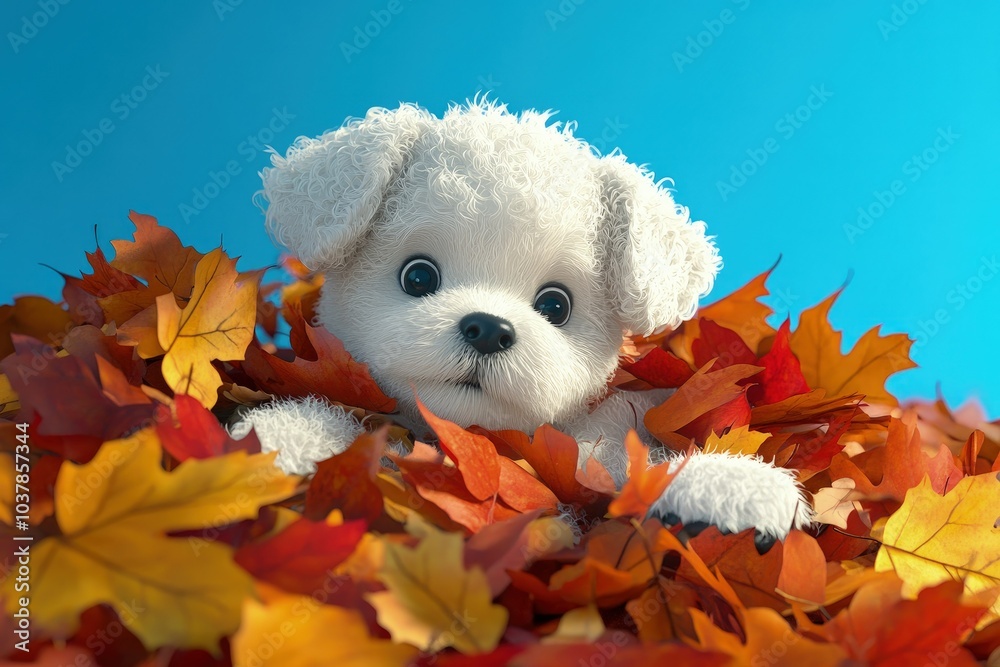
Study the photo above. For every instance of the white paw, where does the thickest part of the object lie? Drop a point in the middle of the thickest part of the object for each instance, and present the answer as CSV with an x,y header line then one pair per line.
x,y
734,493
303,431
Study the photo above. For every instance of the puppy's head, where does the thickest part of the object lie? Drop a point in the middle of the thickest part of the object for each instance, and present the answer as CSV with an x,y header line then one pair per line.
x,y
488,261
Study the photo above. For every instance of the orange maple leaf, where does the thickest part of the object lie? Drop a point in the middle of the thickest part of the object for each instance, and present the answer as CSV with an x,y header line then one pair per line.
x,y
645,484
864,369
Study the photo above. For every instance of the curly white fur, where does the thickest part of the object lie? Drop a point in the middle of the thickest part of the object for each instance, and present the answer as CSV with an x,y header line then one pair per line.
x,y
503,204
303,431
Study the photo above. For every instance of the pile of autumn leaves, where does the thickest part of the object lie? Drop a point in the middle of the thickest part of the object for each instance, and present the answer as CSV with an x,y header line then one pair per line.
x,y
160,540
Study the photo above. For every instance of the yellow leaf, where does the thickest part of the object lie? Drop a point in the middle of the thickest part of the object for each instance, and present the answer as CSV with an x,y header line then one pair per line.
x,y
8,490
8,397
583,624
433,601
738,441
933,538
10,495
113,514
864,369
217,324
296,631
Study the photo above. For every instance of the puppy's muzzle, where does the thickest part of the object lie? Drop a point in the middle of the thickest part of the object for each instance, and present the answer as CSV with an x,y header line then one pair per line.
x,y
488,334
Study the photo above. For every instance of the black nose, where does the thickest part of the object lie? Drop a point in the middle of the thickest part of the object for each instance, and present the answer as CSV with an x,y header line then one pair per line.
x,y
487,333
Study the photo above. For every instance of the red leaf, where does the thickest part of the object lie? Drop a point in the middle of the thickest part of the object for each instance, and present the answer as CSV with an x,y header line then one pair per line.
x,y
808,451
661,368
879,628
724,345
191,431
347,481
72,410
299,558
474,455
782,376
442,485
82,294
331,372
718,420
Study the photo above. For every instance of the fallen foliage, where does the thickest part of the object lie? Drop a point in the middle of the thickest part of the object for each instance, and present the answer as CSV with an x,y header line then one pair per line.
x,y
158,539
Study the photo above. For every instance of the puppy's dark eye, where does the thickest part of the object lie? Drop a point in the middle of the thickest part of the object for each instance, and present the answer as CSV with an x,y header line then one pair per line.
x,y
554,304
419,276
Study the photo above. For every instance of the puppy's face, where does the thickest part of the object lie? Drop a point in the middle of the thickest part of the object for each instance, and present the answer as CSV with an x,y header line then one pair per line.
x,y
479,289
485,262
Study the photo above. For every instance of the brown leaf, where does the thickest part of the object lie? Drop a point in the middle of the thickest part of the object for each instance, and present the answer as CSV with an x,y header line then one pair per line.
x,y
157,256
33,316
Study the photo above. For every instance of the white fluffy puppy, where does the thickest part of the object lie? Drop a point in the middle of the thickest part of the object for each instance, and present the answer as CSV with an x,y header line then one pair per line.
x,y
490,262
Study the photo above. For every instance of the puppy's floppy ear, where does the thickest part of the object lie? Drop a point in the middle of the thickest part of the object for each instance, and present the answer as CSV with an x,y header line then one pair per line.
x,y
657,261
325,192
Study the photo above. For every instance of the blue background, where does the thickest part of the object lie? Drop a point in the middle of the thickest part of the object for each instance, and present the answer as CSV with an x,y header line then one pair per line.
x,y
693,89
